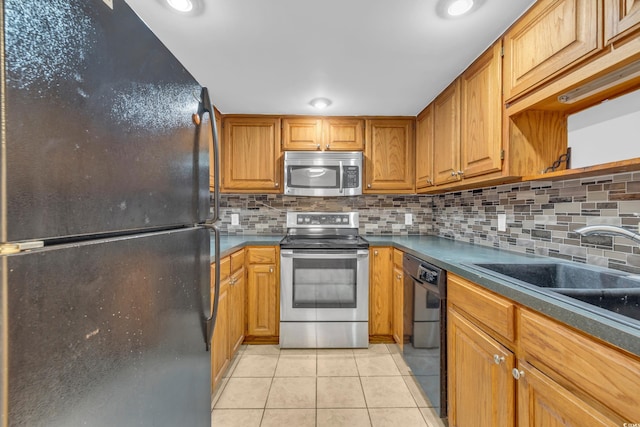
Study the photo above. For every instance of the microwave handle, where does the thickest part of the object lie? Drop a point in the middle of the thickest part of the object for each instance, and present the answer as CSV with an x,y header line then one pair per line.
x,y
341,178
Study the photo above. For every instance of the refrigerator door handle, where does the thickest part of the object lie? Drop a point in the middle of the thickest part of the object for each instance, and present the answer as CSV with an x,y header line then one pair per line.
x,y
207,107
211,322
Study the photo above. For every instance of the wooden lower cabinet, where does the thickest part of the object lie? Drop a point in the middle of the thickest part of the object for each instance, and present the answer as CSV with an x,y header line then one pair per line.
x,y
380,292
481,388
237,296
263,296
544,403
547,375
220,343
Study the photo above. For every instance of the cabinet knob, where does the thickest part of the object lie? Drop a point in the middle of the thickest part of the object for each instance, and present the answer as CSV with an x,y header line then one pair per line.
x,y
517,374
453,173
368,185
399,276
460,172
375,253
429,182
270,269
317,146
328,146
498,359
277,184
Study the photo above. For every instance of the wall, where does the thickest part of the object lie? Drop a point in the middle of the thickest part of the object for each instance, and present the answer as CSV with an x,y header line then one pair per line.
x,y
541,216
614,123
266,214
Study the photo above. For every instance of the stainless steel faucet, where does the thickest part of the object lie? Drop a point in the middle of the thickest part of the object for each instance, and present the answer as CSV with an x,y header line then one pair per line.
x,y
608,230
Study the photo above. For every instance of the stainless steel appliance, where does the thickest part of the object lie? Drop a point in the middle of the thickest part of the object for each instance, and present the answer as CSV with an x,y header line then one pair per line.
x,y
324,282
105,256
322,173
425,346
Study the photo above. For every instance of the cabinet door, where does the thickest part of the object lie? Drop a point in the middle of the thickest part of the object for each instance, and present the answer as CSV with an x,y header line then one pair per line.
x,y
220,355
236,310
544,403
446,135
262,300
621,17
380,291
251,155
481,386
481,115
398,306
424,149
343,135
389,156
551,36
302,134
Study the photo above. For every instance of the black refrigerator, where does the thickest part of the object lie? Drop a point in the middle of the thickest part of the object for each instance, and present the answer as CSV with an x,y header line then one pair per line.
x,y
105,222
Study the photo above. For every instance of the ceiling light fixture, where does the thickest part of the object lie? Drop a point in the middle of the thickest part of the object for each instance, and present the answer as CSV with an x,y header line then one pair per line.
x,y
181,5
459,7
320,103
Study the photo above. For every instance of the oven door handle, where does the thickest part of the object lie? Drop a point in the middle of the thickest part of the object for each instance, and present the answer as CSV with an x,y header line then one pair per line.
x,y
334,255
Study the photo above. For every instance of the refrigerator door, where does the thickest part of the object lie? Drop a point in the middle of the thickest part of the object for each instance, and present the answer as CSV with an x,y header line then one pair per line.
x,y
99,133
108,332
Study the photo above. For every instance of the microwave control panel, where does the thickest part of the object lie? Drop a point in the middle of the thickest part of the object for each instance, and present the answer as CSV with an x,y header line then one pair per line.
x,y
351,177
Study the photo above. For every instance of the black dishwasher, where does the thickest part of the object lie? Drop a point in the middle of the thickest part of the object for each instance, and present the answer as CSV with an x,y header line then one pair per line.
x,y
425,328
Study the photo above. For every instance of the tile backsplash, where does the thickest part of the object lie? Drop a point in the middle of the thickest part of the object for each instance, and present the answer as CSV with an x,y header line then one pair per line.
x,y
541,216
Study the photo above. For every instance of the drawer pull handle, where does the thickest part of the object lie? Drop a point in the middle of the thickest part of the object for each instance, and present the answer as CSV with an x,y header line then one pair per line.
x,y
517,374
498,359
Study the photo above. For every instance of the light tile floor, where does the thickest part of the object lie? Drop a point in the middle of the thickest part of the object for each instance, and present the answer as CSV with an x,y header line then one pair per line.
x,y
266,386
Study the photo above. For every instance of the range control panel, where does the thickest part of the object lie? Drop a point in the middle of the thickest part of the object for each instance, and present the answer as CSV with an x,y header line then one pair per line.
x,y
321,219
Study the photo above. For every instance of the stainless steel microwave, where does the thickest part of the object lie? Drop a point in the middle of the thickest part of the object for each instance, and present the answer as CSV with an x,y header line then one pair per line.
x,y
322,173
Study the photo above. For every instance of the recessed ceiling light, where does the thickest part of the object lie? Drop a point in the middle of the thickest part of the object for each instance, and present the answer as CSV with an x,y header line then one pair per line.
x,y
320,103
181,5
459,7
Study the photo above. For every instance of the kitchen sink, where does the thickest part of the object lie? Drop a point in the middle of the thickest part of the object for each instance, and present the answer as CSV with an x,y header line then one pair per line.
x,y
617,292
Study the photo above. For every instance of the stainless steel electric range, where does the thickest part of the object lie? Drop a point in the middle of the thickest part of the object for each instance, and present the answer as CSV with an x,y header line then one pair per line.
x,y
324,282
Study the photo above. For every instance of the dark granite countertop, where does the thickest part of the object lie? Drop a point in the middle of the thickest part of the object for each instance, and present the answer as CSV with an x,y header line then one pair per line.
x,y
456,256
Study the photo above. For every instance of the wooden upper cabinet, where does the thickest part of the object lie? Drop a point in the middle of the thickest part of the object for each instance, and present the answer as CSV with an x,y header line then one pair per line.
x,y
446,135
301,134
481,115
424,148
330,134
343,134
389,162
621,17
552,35
251,155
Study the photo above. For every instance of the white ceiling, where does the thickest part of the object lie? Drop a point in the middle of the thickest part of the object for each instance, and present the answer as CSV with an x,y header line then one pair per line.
x,y
370,57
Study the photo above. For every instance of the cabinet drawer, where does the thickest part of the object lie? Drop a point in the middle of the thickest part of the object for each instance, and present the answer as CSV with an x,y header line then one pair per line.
x,y
266,255
225,269
237,261
606,374
397,258
495,312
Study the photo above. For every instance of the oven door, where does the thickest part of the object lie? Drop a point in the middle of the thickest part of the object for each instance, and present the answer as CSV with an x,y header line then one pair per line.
x,y
324,285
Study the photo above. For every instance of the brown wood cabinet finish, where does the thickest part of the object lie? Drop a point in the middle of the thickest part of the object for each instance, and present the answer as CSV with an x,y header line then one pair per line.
x,y
301,134
481,115
220,342
544,403
424,149
446,135
389,161
621,18
551,36
482,390
263,296
237,303
343,134
251,155
380,291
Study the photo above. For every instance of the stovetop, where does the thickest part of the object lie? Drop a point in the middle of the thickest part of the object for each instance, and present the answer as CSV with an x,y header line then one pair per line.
x,y
323,230
323,242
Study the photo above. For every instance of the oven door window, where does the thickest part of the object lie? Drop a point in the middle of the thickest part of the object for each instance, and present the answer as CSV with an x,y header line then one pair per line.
x,y
314,176
324,283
